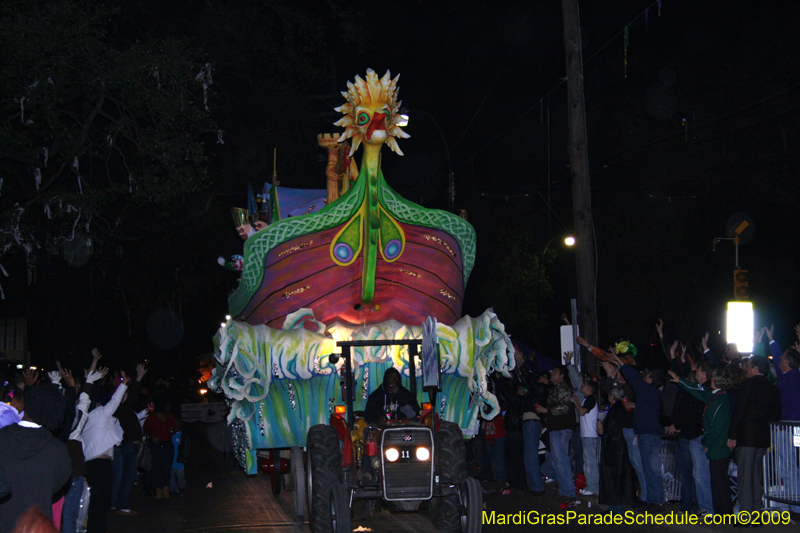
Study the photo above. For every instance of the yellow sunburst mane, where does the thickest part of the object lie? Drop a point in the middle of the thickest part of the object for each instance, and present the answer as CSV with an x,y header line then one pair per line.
x,y
368,96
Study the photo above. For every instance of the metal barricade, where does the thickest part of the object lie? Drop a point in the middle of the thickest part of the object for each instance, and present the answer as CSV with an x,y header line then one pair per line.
x,y
781,466
669,469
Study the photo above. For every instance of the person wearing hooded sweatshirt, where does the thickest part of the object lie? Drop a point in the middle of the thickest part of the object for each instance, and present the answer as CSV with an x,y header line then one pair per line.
x,y
101,433
35,464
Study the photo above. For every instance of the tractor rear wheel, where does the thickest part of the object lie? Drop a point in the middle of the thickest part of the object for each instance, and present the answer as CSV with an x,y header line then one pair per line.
x,y
324,488
451,467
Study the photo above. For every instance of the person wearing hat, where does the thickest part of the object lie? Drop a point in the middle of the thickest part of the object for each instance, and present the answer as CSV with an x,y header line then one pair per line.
x,y
244,226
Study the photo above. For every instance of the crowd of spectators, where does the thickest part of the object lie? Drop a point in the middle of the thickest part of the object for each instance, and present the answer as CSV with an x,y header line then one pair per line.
x,y
602,435
60,435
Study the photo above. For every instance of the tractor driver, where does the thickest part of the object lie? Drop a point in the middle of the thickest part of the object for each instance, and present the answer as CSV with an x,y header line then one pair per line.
x,y
391,400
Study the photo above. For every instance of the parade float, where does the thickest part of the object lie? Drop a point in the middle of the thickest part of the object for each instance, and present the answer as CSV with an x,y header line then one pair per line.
x,y
368,265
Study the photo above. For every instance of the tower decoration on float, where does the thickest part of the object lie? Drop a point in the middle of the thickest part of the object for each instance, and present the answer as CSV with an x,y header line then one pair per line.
x,y
368,265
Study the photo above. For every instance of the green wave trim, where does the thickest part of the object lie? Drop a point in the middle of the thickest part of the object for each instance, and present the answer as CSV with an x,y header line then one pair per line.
x,y
411,213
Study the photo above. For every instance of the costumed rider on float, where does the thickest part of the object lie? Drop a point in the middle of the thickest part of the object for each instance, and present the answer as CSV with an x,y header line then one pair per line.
x,y
391,400
246,228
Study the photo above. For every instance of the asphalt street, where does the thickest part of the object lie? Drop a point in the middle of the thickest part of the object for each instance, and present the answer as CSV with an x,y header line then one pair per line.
x,y
220,498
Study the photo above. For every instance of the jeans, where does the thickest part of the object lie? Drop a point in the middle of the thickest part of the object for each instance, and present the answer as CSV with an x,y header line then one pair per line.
x,y
559,444
650,449
124,474
591,463
684,456
531,433
178,480
72,505
701,472
577,451
161,454
635,458
498,451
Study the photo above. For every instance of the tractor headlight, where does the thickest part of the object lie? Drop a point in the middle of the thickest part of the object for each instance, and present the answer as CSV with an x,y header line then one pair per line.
x,y
423,454
392,454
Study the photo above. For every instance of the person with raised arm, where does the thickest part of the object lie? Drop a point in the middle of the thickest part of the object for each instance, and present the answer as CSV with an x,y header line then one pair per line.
x,y
101,434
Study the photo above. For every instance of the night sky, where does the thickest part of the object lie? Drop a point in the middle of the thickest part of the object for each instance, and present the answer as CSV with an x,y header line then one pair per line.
x,y
701,129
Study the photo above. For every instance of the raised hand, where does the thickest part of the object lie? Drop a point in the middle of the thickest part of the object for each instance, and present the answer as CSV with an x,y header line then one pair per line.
x,y
69,381
96,355
704,340
140,371
760,334
565,319
673,350
610,369
54,376
125,379
568,357
660,327
674,377
770,332
30,376
797,331
583,342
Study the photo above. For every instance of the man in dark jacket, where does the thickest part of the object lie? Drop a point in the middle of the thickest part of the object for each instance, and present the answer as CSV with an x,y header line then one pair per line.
x,y
36,465
391,396
758,403
647,427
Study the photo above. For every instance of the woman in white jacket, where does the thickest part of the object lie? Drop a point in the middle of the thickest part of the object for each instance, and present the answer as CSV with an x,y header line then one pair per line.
x,y
100,434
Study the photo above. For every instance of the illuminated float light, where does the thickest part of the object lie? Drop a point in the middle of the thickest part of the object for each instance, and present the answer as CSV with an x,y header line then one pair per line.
x,y
403,122
203,391
392,454
19,367
339,409
222,324
427,406
740,325
227,317
569,241
423,454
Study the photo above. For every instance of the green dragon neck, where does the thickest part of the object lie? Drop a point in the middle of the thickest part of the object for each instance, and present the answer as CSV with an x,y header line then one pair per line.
x,y
370,171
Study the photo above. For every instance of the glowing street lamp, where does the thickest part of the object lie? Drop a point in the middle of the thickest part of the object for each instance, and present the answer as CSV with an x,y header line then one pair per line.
x,y
740,325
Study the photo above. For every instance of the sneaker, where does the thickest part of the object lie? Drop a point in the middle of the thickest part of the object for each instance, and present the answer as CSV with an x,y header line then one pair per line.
x,y
587,492
548,479
126,512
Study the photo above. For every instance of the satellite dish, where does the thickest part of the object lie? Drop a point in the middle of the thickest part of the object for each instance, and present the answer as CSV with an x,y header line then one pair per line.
x,y
742,225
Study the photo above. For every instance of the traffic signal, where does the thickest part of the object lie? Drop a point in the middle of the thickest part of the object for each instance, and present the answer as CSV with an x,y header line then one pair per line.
x,y
740,285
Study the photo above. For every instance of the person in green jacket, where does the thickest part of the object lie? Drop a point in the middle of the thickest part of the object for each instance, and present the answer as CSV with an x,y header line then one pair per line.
x,y
716,420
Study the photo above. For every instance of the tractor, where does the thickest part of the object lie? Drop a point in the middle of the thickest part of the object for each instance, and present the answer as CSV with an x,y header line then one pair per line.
x,y
402,462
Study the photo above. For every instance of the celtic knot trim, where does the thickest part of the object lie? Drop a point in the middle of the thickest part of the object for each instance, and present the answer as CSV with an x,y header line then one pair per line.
x,y
410,213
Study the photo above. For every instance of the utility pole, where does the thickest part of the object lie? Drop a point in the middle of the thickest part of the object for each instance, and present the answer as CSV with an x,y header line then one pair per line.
x,y
581,180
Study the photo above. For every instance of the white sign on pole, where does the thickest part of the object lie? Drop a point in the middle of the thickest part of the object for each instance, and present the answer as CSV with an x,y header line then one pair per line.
x,y
568,343
204,412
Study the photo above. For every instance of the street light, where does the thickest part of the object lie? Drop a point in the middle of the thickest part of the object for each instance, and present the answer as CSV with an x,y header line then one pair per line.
x,y
451,187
